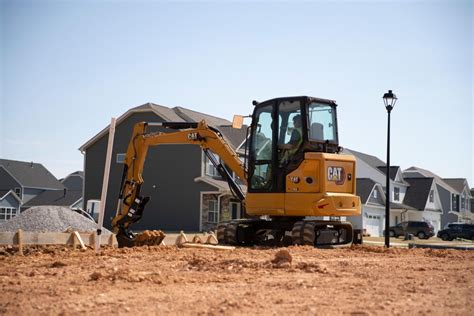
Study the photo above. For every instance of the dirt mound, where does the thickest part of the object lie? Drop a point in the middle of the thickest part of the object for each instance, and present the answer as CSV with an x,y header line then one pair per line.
x,y
50,219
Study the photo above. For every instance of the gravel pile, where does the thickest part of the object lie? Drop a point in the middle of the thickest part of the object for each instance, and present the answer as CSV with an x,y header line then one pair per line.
x,y
50,219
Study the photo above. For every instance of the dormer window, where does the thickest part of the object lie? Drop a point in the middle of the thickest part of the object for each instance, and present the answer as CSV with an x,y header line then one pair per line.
x,y
431,196
18,192
396,194
375,194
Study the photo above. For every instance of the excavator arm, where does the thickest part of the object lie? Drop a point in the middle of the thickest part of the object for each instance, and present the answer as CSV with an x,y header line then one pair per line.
x,y
131,203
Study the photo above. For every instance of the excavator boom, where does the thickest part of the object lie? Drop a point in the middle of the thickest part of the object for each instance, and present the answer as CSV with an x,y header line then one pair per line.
x,y
131,204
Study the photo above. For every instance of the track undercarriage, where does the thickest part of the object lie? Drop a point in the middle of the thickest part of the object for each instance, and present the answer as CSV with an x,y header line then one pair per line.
x,y
285,232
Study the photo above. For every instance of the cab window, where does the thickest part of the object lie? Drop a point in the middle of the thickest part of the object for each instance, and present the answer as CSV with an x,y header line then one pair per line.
x,y
321,122
261,149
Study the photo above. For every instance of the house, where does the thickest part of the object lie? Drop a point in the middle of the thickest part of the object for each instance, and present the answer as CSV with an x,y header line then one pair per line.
x,y
26,180
372,197
448,195
423,196
414,195
186,191
70,196
462,199
371,167
399,210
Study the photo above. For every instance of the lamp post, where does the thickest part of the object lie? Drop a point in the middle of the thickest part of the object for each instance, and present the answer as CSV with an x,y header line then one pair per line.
x,y
389,99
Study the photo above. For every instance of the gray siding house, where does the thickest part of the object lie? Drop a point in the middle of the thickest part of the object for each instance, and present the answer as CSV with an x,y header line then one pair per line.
x,y
449,195
423,196
26,179
185,191
462,199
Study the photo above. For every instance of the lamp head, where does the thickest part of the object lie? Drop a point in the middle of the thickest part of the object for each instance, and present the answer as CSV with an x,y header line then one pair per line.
x,y
389,99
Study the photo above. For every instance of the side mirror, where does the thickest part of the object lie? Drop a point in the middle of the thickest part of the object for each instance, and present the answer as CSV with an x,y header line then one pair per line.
x,y
238,121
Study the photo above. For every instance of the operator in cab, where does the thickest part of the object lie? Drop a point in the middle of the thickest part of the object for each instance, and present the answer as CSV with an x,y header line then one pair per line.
x,y
296,139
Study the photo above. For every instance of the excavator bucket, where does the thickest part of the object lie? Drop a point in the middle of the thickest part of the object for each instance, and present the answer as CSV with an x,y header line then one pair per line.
x,y
146,238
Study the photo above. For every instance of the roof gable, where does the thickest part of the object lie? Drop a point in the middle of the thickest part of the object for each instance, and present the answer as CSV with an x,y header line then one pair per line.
x,y
73,182
416,172
364,187
418,192
177,114
31,174
459,184
370,160
5,193
194,116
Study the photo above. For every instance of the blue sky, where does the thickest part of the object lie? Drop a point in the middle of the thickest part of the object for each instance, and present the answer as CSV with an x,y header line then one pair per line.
x,y
67,67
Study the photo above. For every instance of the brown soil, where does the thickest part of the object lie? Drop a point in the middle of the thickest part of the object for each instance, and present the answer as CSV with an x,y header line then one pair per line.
x,y
295,280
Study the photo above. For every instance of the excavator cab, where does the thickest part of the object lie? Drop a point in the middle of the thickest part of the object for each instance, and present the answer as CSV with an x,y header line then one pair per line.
x,y
282,130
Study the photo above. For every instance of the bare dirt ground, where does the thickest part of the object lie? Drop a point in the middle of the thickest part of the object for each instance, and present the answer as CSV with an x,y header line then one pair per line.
x,y
362,280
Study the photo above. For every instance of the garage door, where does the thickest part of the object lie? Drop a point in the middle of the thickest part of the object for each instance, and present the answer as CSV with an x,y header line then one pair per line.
x,y
372,224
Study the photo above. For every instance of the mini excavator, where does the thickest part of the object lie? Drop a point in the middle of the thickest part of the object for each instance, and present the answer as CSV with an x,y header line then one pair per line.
x,y
298,184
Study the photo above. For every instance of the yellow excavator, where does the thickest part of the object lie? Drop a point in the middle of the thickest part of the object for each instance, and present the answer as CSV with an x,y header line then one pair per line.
x,y
298,184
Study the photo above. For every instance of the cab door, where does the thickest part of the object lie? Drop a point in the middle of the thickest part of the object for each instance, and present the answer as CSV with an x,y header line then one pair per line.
x,y
263,197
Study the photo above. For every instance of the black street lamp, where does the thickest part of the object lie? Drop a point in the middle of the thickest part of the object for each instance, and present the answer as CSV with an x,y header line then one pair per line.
x,y
389,99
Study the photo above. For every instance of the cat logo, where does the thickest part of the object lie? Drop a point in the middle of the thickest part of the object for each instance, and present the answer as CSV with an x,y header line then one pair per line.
x,y
336,174
193,136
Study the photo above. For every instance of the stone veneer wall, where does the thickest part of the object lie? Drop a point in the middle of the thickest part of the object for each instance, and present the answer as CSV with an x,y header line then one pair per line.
x,y
224,212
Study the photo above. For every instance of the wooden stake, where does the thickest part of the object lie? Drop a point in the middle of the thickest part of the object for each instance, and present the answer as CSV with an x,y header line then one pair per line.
x,y
74,241
207,246
20,242
79,239
105,182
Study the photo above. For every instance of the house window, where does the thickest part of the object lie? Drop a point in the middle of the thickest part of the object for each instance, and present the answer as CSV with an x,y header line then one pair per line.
x,y
455,202
7,212
375,194
431,196
210,169
18,192
212,211
235,210
462,202
396,194
120,158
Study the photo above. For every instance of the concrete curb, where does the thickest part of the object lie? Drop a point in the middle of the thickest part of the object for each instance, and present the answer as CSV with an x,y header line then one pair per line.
x,y
412,245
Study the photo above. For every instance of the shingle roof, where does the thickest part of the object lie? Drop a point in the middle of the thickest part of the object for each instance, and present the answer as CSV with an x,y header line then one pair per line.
x,y
194,116
176,114
418,192
401,206
74,181
364,187
235,136
456,183
31,174
371,160
56,197
416,172
393,171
